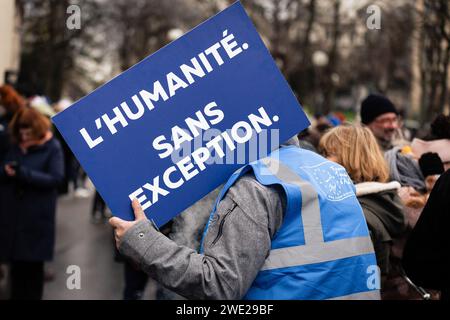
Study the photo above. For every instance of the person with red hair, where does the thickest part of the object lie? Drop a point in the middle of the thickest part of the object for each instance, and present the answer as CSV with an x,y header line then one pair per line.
x,y
10,103
30,174
11,100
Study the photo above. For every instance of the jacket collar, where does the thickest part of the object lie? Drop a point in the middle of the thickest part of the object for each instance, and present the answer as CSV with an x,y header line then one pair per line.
x,y
34,143
366,188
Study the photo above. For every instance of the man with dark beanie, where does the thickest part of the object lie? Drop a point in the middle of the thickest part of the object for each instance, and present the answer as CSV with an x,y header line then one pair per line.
x,y
379,114
431,164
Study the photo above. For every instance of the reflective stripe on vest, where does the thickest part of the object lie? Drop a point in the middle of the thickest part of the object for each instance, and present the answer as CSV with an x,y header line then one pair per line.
x,y
315,250
317,253
312,226
311,258
368,295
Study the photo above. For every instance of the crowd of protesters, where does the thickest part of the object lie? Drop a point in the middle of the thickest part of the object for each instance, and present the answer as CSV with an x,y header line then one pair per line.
x,y
36,167
401,184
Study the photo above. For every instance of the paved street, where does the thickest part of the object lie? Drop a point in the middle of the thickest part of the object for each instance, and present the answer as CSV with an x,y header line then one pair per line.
x,y
89,246
79,242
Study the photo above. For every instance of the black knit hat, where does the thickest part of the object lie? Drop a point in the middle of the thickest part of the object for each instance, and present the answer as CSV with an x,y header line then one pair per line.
x,y
374,106
430,164
440,127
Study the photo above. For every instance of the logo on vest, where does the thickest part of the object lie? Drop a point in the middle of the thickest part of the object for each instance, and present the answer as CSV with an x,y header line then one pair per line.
x,y
331,180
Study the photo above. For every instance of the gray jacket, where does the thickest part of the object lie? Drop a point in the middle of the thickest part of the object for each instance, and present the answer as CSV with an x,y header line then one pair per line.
x,y
404,170
235,247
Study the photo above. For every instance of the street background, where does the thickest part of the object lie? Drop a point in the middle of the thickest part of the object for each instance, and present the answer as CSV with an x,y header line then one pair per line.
x,y
333,53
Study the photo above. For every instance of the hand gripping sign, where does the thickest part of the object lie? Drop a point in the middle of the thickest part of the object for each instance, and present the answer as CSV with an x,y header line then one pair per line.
x,y
177,124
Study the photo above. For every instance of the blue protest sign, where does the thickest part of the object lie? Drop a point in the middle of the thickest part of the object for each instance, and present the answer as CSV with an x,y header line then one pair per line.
x,y
174,126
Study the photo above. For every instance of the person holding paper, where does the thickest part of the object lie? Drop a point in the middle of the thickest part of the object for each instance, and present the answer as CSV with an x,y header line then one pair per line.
x,y
288,226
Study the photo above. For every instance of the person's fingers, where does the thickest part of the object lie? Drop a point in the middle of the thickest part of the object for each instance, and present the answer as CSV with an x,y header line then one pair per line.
x,y
116,222
138,212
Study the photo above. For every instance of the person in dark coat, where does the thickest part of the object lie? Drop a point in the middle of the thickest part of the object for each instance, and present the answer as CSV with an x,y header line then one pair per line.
x,y
426,258
10,103
29,177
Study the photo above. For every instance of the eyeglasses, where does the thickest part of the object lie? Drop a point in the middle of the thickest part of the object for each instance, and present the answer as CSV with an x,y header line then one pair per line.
x,y
384,121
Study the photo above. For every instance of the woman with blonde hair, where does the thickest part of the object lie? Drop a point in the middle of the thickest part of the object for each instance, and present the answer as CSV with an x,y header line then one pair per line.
x,y
356,149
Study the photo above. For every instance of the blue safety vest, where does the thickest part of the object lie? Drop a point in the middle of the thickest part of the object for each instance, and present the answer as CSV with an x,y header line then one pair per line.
x,y
323,249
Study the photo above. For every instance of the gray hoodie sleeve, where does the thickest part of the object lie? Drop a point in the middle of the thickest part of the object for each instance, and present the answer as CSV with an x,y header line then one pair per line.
x,y
235,247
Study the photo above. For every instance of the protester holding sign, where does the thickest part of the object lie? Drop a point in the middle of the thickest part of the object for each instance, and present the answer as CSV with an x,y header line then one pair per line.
x,y
215,95
188,114
29,177
277,232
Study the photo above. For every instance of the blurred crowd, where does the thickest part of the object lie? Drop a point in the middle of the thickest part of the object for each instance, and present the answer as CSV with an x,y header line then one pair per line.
x,y
402,182
401,179
37,167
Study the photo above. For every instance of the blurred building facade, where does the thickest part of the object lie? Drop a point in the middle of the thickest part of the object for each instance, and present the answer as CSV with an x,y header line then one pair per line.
x,y
10,22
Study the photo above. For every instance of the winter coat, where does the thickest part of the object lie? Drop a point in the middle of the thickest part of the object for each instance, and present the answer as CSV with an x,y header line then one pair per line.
x,y
384,214
404,170
28,202
4,135
426,258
